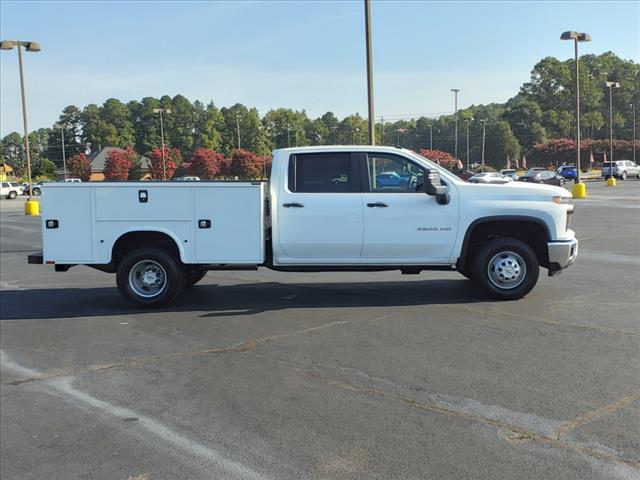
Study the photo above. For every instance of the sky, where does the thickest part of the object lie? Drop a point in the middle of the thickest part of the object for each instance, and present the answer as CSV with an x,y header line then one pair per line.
x,y
298,54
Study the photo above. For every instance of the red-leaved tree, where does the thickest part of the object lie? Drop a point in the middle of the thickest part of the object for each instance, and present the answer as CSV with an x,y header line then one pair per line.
x,y
444,159
158,168
79,166
205,163
245,164
119,164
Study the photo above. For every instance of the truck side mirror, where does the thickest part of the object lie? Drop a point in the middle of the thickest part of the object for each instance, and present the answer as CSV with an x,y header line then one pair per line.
x,y
432,186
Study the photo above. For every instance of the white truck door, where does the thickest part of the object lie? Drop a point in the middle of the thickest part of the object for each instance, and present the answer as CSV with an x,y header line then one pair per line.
x,y
401,222
320,210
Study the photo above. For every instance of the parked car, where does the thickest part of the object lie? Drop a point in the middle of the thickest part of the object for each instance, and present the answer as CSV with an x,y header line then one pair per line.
x,y
622,169
490,177
509,172
161,237
187,179
37,188
545,176
18,186
568,172
463,174
10,190
72,180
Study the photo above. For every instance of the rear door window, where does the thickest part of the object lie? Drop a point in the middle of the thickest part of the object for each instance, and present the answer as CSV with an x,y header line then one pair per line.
x,y
322,173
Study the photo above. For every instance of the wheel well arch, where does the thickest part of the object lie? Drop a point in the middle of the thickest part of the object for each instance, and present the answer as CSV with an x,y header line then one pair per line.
x,y
532,231
137,238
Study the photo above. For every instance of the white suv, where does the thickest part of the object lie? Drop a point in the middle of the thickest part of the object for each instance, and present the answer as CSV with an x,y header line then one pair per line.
x,y
10,190
621,169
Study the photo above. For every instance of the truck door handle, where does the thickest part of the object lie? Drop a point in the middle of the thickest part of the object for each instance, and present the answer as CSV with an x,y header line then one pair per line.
x,y
377,204
292,205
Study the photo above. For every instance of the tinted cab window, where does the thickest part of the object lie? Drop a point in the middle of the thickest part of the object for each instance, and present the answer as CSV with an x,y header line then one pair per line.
x,y
321,173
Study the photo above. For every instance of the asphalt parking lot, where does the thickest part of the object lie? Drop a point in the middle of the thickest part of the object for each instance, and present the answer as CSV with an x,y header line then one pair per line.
x,y
326,376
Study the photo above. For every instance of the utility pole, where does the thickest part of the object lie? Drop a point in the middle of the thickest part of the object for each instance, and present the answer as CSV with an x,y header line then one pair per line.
x,y
484,134
334,134
238,126
633,106
455,93
611,182
578,192
164,160
289,135
431,136
467,120
382,130
367,29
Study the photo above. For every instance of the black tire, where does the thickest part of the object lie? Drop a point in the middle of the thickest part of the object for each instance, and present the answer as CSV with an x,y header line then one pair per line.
x,y
466,273
541,182
169,268
497,252
12,195
36,192
623,176
562,182
193,276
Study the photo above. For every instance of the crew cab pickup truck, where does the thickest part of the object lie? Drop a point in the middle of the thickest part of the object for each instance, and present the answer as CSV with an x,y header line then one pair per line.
x,y
324,209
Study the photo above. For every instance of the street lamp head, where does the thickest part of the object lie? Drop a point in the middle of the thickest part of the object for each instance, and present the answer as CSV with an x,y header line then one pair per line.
x,y
612,84
32,46
456,90
6,45
577,36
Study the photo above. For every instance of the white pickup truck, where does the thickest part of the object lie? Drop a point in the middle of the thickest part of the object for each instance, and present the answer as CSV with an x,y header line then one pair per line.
x,y
338,208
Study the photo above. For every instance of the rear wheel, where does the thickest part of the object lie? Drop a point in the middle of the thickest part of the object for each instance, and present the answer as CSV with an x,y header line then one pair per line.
x,y
506,268
562,182
12,195
36,192
193,276
150,277
623,176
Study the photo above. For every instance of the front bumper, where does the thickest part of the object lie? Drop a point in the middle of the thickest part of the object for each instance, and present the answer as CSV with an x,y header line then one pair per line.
x,y
562,254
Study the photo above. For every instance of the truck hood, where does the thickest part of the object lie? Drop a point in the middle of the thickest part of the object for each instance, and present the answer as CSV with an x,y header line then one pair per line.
x,y
514,190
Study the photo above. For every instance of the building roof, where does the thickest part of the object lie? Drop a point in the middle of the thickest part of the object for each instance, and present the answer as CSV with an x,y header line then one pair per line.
x,y
98,162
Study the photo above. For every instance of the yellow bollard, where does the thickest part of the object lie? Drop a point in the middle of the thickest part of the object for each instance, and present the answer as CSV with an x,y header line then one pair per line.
x,y
579,190
611,182
32,207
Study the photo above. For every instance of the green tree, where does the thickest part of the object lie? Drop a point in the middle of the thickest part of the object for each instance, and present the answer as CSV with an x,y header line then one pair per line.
x,y
116,126
209,124
501,143
13,153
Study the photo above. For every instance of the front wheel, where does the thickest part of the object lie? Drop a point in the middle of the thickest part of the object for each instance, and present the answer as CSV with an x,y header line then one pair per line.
x,y
12,195
623,176
506,268
562,182
150,277
36,192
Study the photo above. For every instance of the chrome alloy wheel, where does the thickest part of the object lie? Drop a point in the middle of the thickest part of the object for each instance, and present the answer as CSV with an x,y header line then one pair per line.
x,y
147,278
506,270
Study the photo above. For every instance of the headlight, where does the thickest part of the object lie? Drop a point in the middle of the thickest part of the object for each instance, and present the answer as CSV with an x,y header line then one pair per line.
x,y
559,199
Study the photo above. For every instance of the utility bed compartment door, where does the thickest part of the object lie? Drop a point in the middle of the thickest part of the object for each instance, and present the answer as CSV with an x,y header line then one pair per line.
x,y
71,240
229,224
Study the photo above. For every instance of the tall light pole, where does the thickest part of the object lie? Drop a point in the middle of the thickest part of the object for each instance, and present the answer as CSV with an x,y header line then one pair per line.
x,y
63,127
398,132
355,133
579,191
289,136
455,118
467,120
334,134
238,127
484,136
633,106
611,181
367,30
30,208
164,161
431,136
